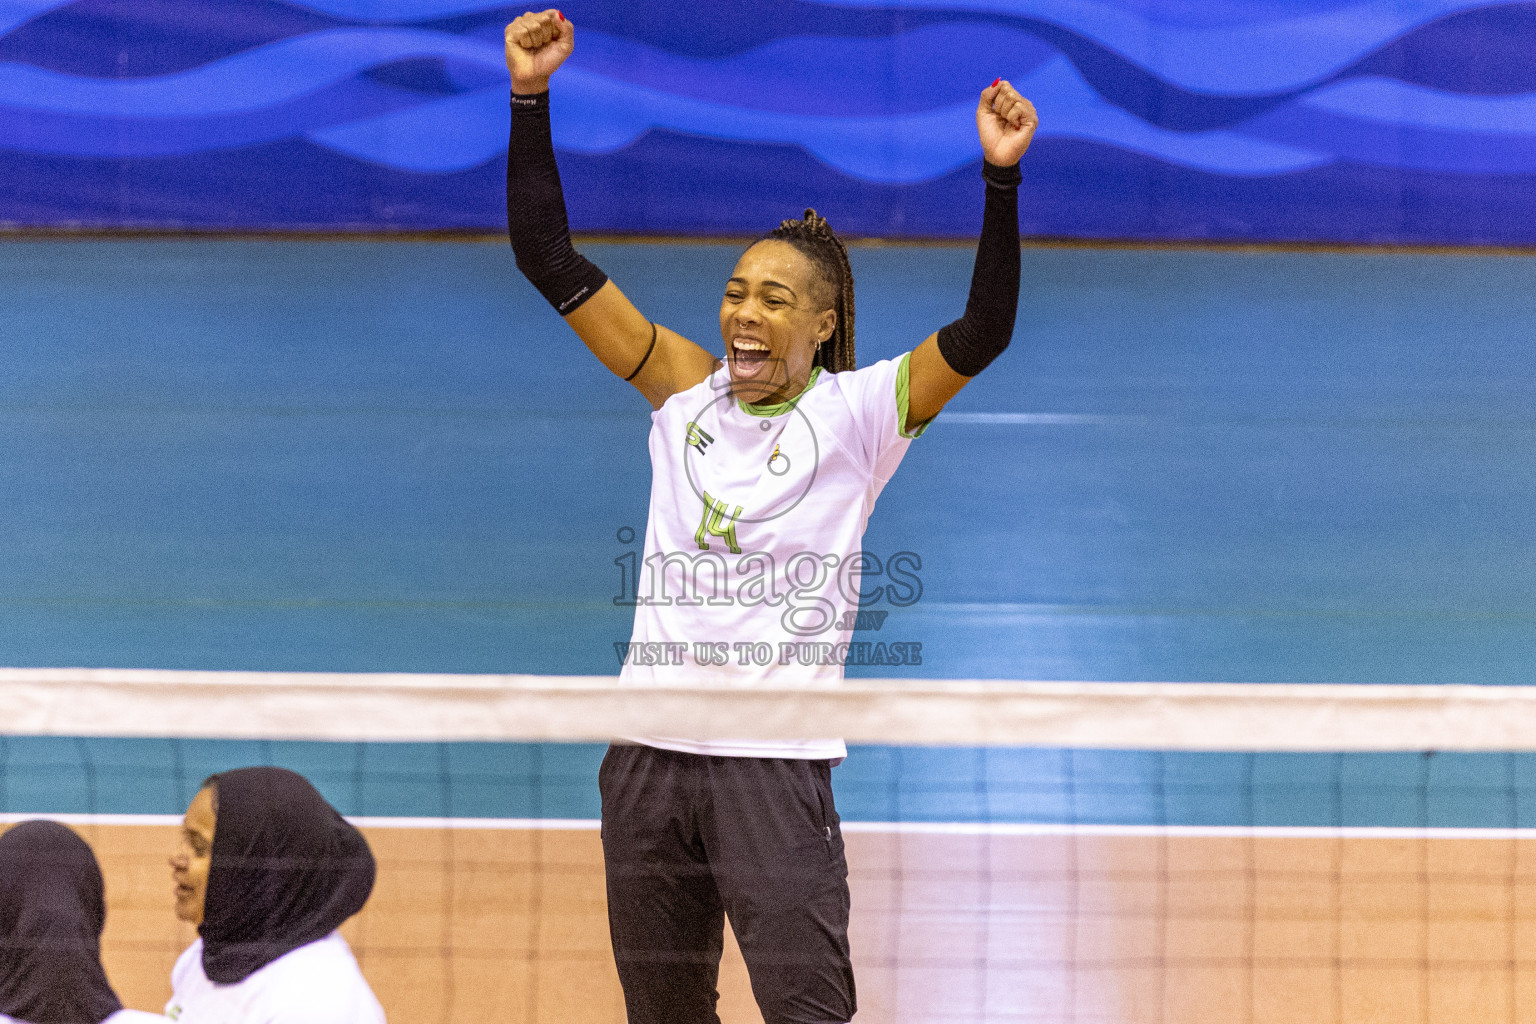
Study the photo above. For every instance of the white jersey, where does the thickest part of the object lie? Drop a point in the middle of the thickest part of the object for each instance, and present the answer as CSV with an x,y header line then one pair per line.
x,y
120,1017
319,983
753,559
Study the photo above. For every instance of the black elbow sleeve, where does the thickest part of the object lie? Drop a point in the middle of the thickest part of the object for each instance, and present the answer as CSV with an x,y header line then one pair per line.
x,y
968,347
562,275
536,217
969,344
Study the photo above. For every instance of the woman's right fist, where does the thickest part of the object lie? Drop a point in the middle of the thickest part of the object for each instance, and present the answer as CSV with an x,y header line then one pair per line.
x,y
537,44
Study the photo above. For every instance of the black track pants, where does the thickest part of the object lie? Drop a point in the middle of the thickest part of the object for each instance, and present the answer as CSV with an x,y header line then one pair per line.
x,y
689,838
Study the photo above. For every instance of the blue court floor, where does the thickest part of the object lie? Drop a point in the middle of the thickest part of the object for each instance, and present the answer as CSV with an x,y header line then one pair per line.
x,y
1241,466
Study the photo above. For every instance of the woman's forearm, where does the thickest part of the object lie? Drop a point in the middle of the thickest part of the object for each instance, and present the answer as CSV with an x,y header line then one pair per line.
x,y
980,336
536,218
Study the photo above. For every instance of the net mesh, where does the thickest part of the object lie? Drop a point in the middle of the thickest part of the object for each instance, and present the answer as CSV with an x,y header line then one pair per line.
x,y
991,880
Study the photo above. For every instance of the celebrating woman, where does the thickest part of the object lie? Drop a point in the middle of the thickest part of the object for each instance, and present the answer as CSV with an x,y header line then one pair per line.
x,y
765,467
268,871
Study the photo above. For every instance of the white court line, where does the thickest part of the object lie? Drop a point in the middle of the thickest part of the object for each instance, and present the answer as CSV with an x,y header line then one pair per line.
x,y
94,819
511,824
366,821
932,828
1181,831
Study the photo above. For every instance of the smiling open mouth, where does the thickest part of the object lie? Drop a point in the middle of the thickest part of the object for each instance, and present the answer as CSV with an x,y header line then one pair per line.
x,y
748,356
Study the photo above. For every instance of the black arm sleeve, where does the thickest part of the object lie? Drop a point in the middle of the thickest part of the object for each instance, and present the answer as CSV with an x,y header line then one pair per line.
x,y
980,336
536,222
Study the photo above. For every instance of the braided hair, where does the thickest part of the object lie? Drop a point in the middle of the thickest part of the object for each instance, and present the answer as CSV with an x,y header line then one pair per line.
x,y
814,238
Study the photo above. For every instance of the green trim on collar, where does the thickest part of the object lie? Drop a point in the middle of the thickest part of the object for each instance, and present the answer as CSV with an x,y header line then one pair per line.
x,y
903,385
784,406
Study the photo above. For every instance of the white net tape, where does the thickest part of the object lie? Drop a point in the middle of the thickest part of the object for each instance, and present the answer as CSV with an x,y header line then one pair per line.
x,y
1150,716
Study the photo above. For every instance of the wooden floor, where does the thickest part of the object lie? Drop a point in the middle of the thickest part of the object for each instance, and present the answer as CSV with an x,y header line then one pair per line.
x,y
475,925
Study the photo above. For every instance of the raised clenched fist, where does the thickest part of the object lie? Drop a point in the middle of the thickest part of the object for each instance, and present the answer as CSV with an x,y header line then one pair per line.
x,y
1006,123
537,44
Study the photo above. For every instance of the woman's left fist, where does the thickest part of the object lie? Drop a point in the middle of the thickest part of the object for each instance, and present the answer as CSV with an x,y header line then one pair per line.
x,y
1006,123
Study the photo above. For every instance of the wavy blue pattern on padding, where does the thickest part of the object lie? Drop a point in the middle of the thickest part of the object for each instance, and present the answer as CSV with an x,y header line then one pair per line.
x,y
599,115
1234,90
258,78
112,138
1265,53
790,75
1369,142
1487,50
1396,103
1247,50
15,13
828,76
1244,51
1482,50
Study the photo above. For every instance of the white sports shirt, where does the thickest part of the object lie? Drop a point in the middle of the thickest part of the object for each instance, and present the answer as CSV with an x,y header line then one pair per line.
x,y
319,983
753,563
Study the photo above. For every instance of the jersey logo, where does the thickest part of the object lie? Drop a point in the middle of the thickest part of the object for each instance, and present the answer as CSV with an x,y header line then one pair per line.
x,y
710,525
698,437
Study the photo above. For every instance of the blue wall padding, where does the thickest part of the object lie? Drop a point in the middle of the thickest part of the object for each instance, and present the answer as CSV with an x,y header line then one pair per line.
x,y
1372,122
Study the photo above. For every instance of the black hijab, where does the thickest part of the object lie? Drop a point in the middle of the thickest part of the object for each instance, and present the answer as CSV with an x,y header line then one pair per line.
x,y
287,869
52,909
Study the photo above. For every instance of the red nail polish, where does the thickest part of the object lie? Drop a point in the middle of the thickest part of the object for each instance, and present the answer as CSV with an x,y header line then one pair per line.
x,y
562,15
994,82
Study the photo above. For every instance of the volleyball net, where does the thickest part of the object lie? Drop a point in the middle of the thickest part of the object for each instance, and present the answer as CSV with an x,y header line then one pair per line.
x,y
1017,851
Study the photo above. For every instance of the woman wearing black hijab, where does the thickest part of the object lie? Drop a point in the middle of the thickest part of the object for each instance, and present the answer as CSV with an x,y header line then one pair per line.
x,y
52,909
268,871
